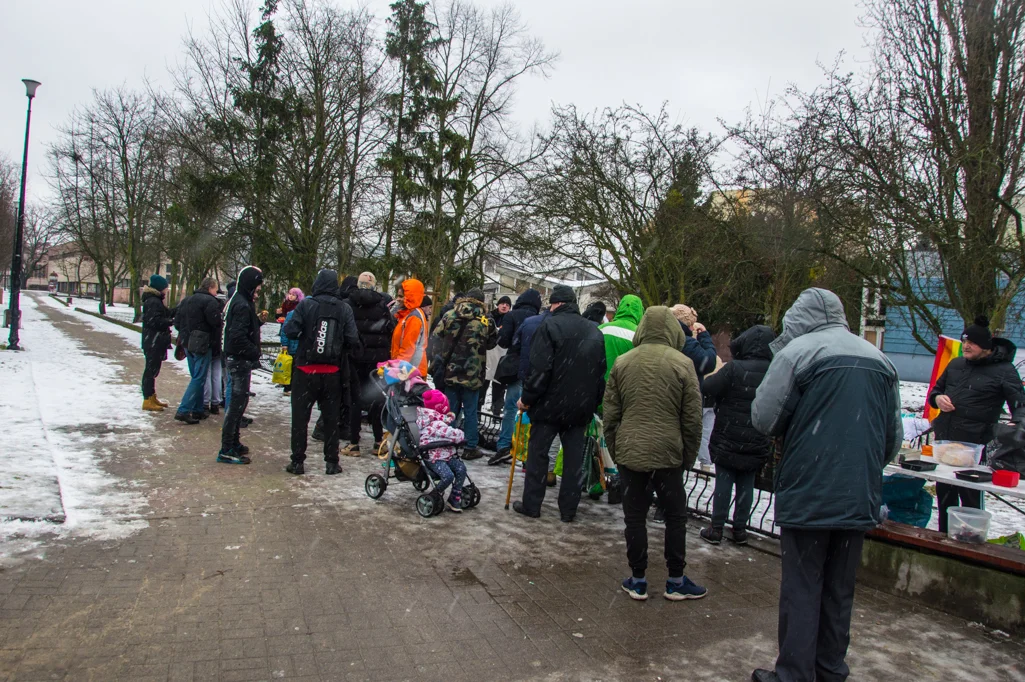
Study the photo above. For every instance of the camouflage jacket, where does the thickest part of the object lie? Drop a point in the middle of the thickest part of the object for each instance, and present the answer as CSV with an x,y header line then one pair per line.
x,y
466,366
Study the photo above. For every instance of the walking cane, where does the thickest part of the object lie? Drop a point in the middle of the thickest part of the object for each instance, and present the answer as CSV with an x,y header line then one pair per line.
x,y
512,465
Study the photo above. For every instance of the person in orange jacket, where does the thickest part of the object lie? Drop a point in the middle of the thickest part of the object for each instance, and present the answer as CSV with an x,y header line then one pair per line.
x,y
409,340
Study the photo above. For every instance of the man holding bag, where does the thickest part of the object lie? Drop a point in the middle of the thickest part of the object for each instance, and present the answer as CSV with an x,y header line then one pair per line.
x,y
199,322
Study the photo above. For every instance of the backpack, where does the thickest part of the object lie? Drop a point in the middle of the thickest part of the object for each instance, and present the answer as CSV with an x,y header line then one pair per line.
x,y
327,341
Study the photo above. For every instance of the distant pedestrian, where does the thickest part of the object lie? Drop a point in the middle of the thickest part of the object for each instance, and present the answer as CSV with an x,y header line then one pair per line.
x,y
970,395
595,312
528,305
290,346
653,428
199,322
326,331
157,319
738,450
562,391
242,354
834,399
619,333
495,356
464,337
409,340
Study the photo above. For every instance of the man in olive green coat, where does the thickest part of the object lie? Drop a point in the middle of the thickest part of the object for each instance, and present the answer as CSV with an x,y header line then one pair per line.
x,y
653,431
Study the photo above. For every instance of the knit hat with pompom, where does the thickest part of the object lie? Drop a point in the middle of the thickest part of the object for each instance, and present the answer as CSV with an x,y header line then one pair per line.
x,y
979,333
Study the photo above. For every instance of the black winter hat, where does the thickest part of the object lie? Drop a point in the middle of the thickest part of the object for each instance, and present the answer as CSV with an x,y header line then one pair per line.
x,y
979,333
476,294
562,294
505,299
426,302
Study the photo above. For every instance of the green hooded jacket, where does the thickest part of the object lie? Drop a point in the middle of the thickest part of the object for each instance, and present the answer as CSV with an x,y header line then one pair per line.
x,y
619,334
652,400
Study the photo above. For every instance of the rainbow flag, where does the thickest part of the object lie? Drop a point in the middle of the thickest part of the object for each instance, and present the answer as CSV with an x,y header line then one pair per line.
x,y
946,350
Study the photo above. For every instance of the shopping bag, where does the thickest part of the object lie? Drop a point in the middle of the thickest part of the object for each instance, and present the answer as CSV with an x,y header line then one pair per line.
x,y
282,369
521,436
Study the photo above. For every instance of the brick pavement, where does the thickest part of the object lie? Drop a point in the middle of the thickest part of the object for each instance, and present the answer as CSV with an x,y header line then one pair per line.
x,y
245,573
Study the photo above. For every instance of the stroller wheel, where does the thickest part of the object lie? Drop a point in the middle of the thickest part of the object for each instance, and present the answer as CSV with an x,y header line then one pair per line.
x,y
422,482
476,497
470,497
427,505
375,486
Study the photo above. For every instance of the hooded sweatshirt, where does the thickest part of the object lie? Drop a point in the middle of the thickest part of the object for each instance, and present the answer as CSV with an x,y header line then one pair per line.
x,y
322,304
619,334
652,413
409,340
834,398
241,324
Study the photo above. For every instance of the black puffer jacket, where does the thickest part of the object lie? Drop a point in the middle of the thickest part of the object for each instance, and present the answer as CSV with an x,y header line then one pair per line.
x,y
528,304
302,325
978,390
566,380
241,324
735,443
200,312
156,323
374,324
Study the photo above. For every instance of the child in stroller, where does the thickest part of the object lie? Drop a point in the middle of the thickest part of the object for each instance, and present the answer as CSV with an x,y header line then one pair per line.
x,y
429,461
434,420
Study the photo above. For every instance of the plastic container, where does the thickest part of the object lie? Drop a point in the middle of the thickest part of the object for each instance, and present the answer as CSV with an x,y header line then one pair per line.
x,y
974,475
965,524
926,451
1005,478
957,454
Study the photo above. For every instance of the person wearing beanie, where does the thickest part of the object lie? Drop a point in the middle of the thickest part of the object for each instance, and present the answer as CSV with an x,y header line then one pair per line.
x,y
595,312
464,336
157,319
494,356
561,394
970,395
427,306
434,420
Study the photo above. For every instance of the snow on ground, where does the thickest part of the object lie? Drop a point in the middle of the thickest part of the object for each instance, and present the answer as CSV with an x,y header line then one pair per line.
x,y
76,395
913,395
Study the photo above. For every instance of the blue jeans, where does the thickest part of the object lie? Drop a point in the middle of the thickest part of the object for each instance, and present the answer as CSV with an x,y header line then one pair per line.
x,y
192,401
512,395
449,471
725,480
465,400
214,383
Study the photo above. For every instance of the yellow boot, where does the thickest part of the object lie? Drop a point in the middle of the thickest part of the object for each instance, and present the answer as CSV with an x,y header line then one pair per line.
x,y
160,402
150,404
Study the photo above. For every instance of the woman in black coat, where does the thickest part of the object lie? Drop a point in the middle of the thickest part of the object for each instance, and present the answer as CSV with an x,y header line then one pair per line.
x,y
738,450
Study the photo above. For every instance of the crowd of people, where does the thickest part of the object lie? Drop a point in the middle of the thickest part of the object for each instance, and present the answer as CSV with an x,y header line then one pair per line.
x,y
820,399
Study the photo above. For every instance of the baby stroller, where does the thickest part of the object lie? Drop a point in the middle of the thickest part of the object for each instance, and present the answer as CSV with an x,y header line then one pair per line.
x,y
406,459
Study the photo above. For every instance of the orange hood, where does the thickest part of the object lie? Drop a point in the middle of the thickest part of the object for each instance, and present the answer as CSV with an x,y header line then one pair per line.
x,y
413,293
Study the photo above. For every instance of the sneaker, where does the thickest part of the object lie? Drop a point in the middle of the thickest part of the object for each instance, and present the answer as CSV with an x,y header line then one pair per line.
x,y
637,589
660,516
296,468
200,415
214,409
454,506
685,590
551,479
567,518
711,535
520,509
763,675
242,449
739,537
333,468
503,456
245,421
351,450
186,418
232,457
318,435
471,454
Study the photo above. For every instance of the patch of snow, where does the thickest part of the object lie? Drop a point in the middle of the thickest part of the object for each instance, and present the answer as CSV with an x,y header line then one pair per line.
x,y
76,392
913,395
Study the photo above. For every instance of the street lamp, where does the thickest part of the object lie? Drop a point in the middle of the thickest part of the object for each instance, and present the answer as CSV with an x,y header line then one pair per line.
x,y
14,306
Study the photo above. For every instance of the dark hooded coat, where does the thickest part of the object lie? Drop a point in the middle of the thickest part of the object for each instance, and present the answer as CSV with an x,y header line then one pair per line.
x,y
322,302
241,323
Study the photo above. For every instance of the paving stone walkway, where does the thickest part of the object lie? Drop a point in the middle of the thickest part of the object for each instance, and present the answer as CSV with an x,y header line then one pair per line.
x,y
246,573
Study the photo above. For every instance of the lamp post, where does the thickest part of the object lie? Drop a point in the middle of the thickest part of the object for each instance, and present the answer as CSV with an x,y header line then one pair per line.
x,y
14,306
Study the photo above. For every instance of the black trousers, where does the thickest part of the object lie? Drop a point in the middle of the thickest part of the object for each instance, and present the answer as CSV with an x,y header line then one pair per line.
x,y
815,601
150,373
240,373
534,486
497,397
948,496
326,391
668,483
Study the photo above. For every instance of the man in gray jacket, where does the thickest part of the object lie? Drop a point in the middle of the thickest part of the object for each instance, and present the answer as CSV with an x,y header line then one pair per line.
x,y
834,401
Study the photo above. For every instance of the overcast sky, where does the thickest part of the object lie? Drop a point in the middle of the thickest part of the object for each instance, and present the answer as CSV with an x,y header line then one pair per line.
x,y
708,60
